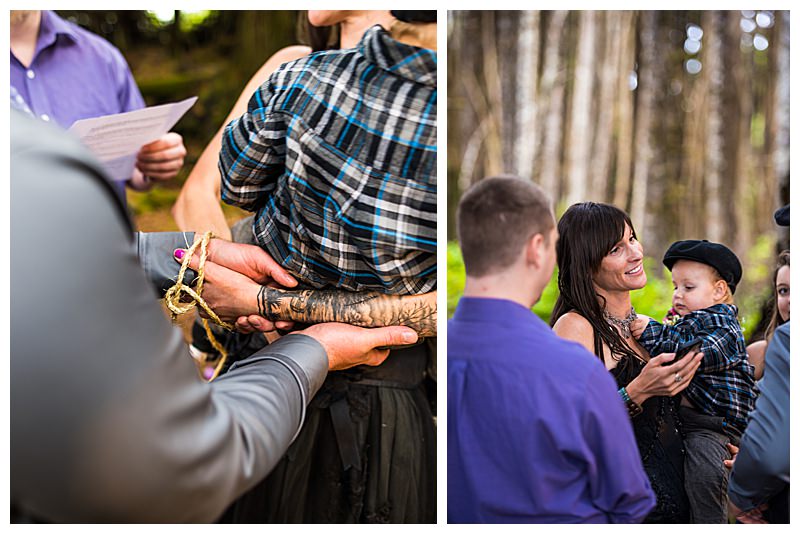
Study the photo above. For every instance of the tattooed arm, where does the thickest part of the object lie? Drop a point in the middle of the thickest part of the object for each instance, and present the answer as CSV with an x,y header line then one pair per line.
x,y
230,290
367,309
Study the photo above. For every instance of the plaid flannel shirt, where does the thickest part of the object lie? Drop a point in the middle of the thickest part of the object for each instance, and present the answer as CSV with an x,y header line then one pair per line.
x,y
337,155
723,385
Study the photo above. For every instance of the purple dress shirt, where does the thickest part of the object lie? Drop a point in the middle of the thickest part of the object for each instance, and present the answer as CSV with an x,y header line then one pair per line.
x,y
74,75
536,431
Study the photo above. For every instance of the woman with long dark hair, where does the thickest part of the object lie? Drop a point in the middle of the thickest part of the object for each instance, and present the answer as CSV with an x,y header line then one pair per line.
x,y
600,262
780,313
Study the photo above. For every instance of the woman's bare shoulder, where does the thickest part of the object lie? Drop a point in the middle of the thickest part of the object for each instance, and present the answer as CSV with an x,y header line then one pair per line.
x,y
575,327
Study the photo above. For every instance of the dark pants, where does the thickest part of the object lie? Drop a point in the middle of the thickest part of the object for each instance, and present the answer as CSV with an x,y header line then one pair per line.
x,y
706,477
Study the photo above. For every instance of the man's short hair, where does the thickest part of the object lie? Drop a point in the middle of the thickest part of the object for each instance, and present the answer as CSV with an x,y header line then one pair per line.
x,y
496,217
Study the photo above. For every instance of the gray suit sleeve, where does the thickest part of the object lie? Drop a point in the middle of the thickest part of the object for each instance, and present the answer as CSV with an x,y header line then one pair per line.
x,y
110,421
761,469
155,255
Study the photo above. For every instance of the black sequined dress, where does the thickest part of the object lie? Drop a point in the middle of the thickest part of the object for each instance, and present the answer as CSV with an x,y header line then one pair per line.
x,y
658,436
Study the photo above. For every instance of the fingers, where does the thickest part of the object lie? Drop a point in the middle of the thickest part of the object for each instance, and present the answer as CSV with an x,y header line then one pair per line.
x,y
662,358
163,158
178,255
250,261
254,323
728,464
389,336
165,142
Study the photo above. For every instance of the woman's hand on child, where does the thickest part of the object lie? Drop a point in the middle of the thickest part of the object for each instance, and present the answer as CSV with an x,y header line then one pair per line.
x,y
660,378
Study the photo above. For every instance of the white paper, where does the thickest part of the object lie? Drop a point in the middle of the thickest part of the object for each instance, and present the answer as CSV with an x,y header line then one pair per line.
x,y
116,139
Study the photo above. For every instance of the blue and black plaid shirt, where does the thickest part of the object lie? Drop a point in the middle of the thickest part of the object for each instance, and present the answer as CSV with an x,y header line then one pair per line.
x,y
723,385
337,155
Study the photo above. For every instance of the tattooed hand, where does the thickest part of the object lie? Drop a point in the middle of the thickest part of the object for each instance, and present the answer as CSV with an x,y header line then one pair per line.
x,y
231,274
347,345
234,273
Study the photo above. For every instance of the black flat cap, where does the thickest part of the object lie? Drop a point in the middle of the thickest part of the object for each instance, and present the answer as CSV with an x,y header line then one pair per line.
x,y
415,16
782,216
717,256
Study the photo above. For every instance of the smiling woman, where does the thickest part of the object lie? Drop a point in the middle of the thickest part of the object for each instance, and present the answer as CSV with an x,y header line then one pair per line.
x,y
600,262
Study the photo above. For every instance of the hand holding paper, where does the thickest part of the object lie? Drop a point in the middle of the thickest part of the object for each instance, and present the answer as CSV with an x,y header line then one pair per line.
x,y
137,139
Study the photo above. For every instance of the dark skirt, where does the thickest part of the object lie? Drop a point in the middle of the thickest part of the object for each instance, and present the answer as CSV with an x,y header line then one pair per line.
x,y
366,453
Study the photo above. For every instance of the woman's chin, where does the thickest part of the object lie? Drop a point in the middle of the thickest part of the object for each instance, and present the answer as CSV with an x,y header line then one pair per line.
x,y
638,281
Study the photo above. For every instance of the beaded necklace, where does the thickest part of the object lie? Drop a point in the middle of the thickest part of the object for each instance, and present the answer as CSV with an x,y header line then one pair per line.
x,y
623,324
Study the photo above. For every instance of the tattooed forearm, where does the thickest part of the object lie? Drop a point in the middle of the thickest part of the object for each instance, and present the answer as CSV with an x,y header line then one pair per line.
x,y
368,309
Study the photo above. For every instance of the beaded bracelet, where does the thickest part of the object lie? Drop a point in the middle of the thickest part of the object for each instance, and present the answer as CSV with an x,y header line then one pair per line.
x,y
633,408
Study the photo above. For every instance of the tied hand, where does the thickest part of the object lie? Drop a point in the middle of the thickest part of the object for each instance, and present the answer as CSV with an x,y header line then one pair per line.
x,y
234,273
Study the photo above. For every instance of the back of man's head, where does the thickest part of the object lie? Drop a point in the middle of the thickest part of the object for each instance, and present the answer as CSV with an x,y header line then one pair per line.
x,y
496,217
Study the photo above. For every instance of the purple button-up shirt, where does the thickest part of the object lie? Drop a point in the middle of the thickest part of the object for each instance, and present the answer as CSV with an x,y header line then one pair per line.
x,y
536,431
74,75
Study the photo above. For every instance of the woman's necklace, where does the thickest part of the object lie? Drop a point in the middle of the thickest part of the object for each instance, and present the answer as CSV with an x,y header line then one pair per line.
x,y
623,324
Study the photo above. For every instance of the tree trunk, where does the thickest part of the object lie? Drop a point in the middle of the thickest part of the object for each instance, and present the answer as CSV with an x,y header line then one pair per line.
x,y
580,126
644,112
624,106
712,65
491,73
551,117
781,153
527,96
604,133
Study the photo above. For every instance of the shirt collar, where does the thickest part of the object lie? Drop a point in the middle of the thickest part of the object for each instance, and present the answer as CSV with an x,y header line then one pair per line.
x,y
51,27
416,64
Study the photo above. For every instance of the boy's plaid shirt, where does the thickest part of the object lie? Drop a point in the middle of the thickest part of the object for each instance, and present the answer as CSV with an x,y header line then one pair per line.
x,y
337,155
724,383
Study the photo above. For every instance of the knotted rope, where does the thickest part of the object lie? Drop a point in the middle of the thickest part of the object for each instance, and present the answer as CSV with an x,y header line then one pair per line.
x,y
174,299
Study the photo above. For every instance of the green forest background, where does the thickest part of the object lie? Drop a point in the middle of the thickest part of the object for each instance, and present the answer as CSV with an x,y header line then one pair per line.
x,y
178,54
679,118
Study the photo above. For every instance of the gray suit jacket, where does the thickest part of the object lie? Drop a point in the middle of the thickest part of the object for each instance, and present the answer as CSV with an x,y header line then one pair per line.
x,y
761,469
109,419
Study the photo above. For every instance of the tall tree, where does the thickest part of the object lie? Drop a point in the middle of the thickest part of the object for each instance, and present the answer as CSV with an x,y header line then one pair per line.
x,y
644,116
714,168
580,126
527,101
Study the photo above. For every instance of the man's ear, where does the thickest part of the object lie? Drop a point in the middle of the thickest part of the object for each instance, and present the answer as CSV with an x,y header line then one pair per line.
x,y
535,250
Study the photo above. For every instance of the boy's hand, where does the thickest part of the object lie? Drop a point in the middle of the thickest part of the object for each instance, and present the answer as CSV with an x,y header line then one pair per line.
x,y
638,326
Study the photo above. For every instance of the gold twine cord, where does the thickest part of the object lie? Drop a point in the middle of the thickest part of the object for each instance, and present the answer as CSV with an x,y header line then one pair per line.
x,y
174,295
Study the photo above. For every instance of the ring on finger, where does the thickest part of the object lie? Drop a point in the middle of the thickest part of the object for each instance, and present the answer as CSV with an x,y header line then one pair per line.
x,y
678,377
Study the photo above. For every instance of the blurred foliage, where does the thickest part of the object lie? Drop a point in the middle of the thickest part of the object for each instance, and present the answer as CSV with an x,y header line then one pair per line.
x,y
655,299
208,54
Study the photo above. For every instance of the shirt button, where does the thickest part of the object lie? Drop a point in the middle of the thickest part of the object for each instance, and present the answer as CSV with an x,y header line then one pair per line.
x,y
31,75
45,117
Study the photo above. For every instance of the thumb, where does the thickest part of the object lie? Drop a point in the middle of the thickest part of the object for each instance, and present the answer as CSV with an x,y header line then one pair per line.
x,y
390,336
269,268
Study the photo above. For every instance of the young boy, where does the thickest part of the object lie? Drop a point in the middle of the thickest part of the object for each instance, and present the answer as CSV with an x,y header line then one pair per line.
x,y
715,406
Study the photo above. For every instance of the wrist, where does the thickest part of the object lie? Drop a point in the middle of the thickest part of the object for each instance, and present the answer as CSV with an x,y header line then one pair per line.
x,y
635,394
633,407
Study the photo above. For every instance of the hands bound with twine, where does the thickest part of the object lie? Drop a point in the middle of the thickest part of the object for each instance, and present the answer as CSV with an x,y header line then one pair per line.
x,y
232,274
